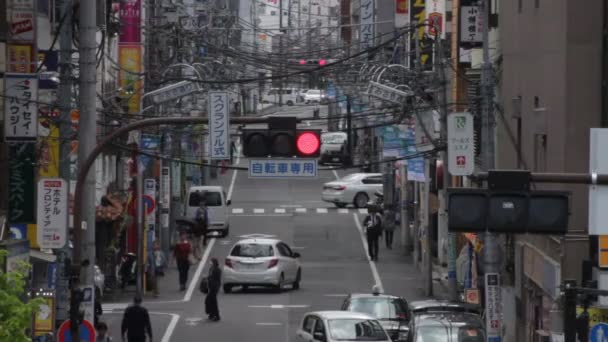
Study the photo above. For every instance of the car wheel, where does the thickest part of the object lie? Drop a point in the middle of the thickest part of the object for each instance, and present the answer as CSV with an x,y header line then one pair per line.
x,y
290,103
227,288
361,200
279,287
296,284
340,205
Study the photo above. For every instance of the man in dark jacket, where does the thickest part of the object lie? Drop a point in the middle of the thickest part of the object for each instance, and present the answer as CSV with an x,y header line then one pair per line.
x,y
215,282
373,231
136,322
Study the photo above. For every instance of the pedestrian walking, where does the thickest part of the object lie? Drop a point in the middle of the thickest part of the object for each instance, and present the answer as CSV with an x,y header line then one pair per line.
x,y
199,231
160,263
136,323
389,228
232,152
182,252
102,333
214,282
373,231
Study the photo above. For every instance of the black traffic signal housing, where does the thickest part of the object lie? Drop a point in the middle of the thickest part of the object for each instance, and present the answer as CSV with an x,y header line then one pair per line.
x,y
535,212
262,143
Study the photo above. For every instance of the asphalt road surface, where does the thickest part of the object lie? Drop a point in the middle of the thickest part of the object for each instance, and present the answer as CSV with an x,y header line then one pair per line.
x,y
334,263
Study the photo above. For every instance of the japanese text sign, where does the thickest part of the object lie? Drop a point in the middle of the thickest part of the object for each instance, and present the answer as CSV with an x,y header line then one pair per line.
x,y
402,13
173,92
471,25
20,58
21,182
493,306
461,144
366,33
52,218
435,10
22,25
219,125
130,19
387,93
282,168
418,17
20,106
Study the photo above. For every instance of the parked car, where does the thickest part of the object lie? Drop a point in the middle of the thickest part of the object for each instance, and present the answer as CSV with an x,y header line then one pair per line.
x,y
447,326
390,311
313,96
217,207
289,96
333,148
344,326
356,188
261,262
433,305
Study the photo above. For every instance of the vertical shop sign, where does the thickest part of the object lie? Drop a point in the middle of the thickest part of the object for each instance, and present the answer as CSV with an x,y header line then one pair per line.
x,y
130,62
471,24
20,58
366,34
418,17
21,165
22,25
48,147
402,13
130,19
52,218
435,10
219,126
21,108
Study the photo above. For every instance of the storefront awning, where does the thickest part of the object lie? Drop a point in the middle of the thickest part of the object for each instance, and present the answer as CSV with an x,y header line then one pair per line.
x,y
38,255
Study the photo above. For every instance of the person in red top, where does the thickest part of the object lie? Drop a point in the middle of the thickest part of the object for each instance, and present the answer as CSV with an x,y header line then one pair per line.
x,y
182,251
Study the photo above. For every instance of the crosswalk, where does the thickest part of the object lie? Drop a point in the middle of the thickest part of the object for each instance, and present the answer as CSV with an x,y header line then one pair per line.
x,y
299,210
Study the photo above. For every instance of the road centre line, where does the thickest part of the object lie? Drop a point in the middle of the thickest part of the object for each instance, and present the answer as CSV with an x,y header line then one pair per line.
x,y
238,210
258,211
279,211
372,265
268,324
321,210
301,210
343,211
233,180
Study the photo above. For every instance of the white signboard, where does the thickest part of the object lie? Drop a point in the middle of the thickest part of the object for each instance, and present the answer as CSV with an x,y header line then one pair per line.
x,y
471,24
173,92
387,93
20,107
88,303
598,194
22,25
435,12
219,125
283,168
493,307
427,130
461,144
402,13
150,190
366,29
165,187
52,214
22,4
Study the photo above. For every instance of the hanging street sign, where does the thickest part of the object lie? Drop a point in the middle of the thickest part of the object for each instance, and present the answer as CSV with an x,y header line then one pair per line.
x,y
52,218
173,92
387,93
461,144
219,125
21,107
283,168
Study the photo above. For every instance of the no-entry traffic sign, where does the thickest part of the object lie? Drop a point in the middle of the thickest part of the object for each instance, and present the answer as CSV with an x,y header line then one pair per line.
x,y
87,332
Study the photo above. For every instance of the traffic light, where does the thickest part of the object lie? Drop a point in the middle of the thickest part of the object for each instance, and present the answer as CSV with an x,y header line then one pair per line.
x,y
261,143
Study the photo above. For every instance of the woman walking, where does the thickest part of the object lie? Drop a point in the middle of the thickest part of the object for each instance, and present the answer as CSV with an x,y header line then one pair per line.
x,y
214,282
182,253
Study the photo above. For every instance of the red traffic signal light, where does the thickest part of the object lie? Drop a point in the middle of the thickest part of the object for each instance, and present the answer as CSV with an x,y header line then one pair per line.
x,y
302,62
322,62
308,143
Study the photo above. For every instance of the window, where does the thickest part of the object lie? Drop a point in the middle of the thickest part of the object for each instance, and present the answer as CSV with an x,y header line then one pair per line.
x,y
212,199
356,329
351,177
372,180
252,250
319,327
380,307
284,250
308,324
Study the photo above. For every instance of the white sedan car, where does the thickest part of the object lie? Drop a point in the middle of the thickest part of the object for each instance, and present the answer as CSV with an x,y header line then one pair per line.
x,y
332,326
261,262
356,188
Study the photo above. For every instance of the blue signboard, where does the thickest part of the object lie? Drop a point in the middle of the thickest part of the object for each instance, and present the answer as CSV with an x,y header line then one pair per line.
x,y
18,231
599,333
283,168
51,275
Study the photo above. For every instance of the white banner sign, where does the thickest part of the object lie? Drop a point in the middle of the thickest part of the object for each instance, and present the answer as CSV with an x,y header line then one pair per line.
x,y
427,130
471,24
435,12
493,307
219,125
88,303
461,144
21,107
150,190
402,13
165,187
173,92
22,4
282,168
52,214
366,30
388,93
22,25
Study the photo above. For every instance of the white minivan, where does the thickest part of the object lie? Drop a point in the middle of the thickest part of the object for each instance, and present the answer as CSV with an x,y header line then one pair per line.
x,y
217,207
290,96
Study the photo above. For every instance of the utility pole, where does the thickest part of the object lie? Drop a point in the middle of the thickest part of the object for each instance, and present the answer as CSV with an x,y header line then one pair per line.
x,y
491,255
84,253
140,226
447,179
406,237
349,129
427,261
65,136
281,61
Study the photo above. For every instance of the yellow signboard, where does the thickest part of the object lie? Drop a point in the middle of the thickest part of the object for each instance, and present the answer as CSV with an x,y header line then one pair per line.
x,y
129,58
49,149
44,319
603,251
596,315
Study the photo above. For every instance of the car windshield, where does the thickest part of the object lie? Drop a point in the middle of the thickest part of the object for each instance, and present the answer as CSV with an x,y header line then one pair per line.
x,y
314,92
356,330
441,333
380,307
252,250
212,199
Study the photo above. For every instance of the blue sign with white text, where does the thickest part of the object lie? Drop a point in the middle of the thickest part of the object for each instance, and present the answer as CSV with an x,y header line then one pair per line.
x,y
282,168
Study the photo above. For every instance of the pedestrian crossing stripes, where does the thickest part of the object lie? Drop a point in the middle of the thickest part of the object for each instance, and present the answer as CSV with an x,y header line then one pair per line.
x,y
289,211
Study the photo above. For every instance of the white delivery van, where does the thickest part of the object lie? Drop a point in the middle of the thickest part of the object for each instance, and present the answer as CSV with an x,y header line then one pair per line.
x,y
290,96
217,207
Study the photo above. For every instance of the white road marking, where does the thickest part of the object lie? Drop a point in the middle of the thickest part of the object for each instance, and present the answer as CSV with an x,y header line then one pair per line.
x,y
301,210
372,265
238,211
363,211
263,215
343,211
258,211
336,295
193,320
114,306
199,271
279,210
321,210
170,328
279,306
268,324
290,205
336,174
233,180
